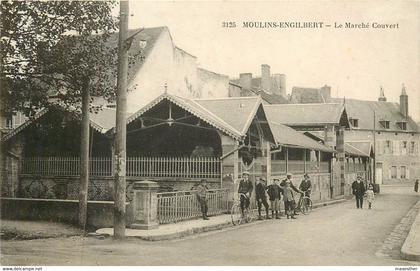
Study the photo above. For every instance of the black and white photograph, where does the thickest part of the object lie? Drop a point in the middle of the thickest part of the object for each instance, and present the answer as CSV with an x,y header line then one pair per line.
x,y
210,134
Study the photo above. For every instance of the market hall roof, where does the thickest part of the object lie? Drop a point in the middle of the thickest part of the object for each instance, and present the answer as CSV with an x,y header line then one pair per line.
x,y
308,114
101,120
359,148
288,137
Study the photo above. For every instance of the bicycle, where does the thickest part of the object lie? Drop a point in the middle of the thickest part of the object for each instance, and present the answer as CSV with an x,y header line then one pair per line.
x,y
236,212
304,204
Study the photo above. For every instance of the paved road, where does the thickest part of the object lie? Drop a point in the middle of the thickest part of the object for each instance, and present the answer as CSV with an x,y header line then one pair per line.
x,y
334,235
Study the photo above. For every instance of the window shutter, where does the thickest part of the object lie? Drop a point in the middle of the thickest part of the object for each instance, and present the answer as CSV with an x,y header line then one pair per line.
x,y
407,172
398,172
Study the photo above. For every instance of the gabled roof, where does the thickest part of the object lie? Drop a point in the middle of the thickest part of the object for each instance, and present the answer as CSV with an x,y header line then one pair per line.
x,y
195,109
351,149
101,121
363,111
289,137
362,148
141,46
237,112
307,114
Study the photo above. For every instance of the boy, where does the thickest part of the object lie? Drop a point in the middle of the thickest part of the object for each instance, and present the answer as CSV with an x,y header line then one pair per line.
x,y
274,193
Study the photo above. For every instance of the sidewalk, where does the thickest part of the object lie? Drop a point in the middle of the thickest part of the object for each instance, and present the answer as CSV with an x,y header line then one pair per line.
x,y
26,230
411,247
189,227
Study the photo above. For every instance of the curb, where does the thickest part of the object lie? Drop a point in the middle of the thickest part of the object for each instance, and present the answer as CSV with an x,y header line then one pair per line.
x,y
198,230
406,252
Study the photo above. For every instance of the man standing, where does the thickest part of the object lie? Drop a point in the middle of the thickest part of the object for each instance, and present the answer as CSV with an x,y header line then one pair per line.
x,y
244,191
358,188
289,199
306,186
202,197
261,198
293,187
274,193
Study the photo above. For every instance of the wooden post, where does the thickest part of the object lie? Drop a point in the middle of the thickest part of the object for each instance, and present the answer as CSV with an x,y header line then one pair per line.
x,y
84,159
121,122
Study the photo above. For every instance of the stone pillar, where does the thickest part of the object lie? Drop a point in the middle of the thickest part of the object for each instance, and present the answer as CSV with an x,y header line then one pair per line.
x,y
230,167
145,205
341,156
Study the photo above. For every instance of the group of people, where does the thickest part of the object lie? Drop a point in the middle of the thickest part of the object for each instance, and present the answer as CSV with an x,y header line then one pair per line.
x,y
274,191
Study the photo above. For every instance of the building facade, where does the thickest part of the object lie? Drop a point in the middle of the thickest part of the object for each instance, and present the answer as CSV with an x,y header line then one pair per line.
x,y
394,135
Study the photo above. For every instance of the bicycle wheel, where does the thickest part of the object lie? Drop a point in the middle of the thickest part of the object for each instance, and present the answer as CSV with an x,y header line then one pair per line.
x,y
236,214
306,206
248,216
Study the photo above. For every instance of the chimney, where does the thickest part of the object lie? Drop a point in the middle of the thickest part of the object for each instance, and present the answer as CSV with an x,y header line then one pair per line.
x,y
265,77
245,80
326,92
404,102
279,84
382,97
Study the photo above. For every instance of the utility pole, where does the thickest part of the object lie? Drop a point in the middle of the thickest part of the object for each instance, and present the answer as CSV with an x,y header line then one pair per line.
x,y
121,122
84,159
374,146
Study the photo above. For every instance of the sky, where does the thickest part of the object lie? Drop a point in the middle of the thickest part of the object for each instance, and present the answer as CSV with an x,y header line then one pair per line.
x,y
354,62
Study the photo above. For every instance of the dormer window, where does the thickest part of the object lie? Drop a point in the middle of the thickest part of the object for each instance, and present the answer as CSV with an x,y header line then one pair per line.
x,y
402,125
354,122
384,123
143,44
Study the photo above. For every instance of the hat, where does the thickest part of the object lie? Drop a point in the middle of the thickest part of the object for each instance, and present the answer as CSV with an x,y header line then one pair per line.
x,y
289,174
203,180
245,172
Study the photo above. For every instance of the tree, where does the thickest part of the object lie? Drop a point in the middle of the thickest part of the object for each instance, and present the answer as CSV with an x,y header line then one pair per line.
x,y
58,52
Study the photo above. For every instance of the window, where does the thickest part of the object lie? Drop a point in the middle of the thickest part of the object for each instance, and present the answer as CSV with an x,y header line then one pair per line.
x,y
403,172
403,147
393,172
384,123
388,147
412,150
9,123
354,122
402,125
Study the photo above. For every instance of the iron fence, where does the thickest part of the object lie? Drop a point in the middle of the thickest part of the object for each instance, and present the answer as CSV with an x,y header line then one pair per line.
x,y
183,205
182,167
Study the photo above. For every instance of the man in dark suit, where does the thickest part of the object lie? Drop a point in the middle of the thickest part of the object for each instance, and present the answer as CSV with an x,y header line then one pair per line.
x,y
245,191
359,189
261,198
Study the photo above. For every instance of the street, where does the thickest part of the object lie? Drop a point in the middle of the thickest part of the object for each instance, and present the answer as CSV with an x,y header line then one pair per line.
x,y
338,234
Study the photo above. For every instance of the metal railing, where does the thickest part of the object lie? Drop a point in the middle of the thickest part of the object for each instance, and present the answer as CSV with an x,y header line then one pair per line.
x,y
184,167
183,205
279,167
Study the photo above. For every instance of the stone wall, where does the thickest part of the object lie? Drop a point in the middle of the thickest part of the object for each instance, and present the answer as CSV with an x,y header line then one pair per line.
x,y
100,189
